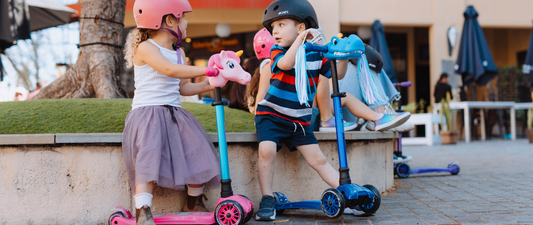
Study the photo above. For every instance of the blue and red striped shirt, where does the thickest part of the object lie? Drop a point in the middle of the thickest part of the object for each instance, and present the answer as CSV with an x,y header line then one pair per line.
x,y
281,99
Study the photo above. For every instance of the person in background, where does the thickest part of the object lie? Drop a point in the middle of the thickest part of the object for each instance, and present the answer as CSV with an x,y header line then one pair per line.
x,y
237,92
40,84
442,88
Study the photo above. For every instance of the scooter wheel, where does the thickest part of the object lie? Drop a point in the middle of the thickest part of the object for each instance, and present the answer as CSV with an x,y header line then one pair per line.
x,y
229,212
113,216
402,170
374,203
455,169
280,211
250,214
333,203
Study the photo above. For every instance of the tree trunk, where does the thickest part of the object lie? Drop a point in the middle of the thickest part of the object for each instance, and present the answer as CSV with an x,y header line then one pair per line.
x,y
96,74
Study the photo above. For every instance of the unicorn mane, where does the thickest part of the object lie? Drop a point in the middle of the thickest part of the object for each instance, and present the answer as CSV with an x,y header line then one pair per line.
x,y
216,62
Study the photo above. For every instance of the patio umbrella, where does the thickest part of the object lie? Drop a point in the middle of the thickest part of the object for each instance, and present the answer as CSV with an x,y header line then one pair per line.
x,y
378,42
528,65
19,17
474,62
46,13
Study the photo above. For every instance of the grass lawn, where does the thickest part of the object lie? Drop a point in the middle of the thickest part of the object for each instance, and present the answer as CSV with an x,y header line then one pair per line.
x,y
98,116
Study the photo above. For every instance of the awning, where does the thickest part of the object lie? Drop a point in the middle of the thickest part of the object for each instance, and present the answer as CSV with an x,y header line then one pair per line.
x,y
378,42
474,62
201,4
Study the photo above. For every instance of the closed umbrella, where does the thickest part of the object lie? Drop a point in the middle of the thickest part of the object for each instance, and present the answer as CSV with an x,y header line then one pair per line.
x,y
474,62
528,65
14,25
378,42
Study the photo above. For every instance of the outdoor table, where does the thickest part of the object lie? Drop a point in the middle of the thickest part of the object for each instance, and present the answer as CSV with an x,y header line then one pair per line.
x,y
467,105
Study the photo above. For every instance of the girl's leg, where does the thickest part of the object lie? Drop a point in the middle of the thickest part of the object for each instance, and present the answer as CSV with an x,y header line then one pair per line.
x,y
195,196
316,159
323,98
267,154
357,108
143,202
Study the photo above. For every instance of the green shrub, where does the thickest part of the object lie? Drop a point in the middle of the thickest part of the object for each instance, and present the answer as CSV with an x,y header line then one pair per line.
x,y
98,116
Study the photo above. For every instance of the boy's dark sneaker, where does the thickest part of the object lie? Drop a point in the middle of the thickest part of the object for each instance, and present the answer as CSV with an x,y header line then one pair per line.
x,y
267,209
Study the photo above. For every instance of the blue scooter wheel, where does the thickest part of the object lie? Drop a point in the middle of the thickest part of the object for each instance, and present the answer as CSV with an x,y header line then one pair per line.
x,y
250,214
455,169
229,212
333,203
374,203
278,211
402,170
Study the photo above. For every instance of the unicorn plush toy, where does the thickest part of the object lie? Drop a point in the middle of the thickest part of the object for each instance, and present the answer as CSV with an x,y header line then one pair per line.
x,y
225,66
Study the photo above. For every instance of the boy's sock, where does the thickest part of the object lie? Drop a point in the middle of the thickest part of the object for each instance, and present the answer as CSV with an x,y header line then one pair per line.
x,y
143,199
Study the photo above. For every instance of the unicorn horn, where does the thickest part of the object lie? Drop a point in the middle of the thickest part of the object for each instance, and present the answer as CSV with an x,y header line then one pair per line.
x,y
239,53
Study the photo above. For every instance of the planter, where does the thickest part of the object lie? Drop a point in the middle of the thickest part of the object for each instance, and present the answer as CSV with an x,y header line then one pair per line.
x,y
529,133
448,137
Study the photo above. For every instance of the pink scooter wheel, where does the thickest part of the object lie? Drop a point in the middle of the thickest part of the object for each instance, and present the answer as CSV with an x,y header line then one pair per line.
x,y
229,212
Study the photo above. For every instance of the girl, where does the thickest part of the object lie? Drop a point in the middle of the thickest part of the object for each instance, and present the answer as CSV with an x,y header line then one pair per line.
x,y
258,87
162,143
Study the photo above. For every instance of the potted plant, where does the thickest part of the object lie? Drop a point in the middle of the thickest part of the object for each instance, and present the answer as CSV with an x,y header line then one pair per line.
x,y
448,135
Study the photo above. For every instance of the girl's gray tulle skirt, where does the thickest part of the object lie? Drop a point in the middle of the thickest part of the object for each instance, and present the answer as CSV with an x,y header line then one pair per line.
x,y
170,153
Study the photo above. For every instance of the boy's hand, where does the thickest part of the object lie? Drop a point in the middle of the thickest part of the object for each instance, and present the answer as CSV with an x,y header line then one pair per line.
x,y
311,33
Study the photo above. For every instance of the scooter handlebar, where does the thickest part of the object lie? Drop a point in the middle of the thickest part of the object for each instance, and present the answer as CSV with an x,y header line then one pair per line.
x,y
315,48
403,84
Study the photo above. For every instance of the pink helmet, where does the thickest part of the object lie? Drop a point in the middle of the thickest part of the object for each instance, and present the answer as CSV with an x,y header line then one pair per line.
x,y
263,42
149,14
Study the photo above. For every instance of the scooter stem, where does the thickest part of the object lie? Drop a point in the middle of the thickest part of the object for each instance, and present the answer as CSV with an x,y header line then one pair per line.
x,y
339,125
225,182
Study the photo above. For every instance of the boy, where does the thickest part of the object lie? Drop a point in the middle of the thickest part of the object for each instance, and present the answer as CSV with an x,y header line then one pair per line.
x,y
280,118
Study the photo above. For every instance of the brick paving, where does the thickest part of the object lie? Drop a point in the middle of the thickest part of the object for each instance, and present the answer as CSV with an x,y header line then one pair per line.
x,y
495,186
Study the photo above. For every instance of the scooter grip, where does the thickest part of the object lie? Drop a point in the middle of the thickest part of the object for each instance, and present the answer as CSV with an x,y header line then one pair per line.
x,y
315,48
211,72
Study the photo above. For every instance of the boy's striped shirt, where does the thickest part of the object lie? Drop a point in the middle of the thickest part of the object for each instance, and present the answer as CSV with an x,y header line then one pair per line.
x,y
281,99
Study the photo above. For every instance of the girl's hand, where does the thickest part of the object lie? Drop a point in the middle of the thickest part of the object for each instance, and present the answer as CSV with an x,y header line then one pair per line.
x,y
207,86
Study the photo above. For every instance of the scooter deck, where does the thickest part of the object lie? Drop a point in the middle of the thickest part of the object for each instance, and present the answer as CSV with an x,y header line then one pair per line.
x,y
309,204
174,218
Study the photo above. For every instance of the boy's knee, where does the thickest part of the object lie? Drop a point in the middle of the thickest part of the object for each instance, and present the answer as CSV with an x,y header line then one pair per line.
x,y
266,152
319,160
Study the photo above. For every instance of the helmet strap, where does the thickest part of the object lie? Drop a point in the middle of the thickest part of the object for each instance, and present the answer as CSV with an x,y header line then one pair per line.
x,y
178,42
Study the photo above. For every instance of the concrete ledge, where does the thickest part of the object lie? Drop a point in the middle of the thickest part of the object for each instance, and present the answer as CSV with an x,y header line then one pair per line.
x,y
27,139
103,138
89,138
40,173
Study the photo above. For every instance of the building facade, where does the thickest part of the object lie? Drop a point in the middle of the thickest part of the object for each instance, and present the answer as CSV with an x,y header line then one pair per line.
x,y
416,31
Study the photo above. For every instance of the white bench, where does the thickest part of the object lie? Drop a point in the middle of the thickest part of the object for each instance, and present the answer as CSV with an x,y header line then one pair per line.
x,y
431,122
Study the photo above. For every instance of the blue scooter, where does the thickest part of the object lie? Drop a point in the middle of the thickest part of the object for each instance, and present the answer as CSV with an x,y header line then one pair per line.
x,y
334,200
402,169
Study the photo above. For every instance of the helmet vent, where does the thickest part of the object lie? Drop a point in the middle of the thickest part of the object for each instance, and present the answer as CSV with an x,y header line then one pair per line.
x,y
140,11
276,7
266,11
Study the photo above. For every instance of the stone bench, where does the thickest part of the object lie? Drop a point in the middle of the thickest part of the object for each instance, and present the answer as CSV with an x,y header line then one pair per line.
x,y
79,178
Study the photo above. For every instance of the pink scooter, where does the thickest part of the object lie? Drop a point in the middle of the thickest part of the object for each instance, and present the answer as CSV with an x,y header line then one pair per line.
x,y
230,209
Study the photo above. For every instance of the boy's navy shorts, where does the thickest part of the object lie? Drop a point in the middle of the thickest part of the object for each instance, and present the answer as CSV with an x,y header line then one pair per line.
x,y
278,130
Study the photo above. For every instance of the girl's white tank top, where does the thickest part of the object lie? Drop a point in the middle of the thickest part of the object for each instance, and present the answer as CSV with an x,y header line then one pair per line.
x,y
154,88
